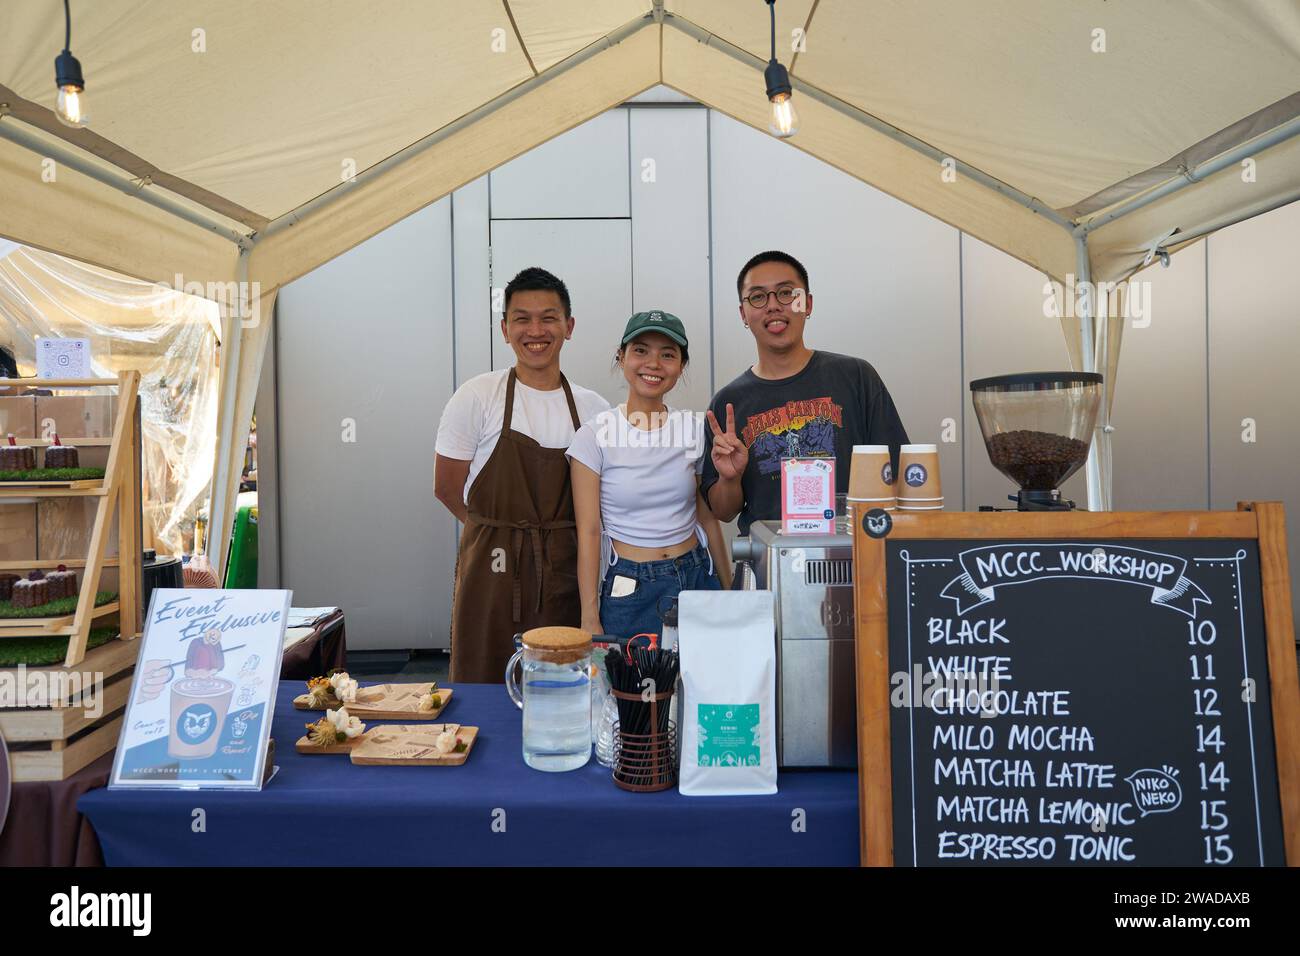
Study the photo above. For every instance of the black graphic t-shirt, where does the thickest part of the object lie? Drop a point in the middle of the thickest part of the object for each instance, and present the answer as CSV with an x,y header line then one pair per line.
x,y
836,402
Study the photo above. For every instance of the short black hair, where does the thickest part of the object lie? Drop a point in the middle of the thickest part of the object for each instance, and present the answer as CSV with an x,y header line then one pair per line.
x,y
772,255
535,279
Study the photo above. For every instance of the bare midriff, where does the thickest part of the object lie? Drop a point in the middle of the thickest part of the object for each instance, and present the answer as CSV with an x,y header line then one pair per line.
x,y
631,552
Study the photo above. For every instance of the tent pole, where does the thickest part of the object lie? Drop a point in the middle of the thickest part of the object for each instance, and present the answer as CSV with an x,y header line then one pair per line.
x,y
11,130
1223,222
232,327
1088,356
1188,177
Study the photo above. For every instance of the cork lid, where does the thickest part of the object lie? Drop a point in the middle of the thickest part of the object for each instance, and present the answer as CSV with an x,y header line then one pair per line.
x,y
557,638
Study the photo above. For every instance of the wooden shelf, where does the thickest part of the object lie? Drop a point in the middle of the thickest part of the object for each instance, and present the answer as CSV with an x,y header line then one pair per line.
x,y
61,382
55,483
76,441
49,626
109,562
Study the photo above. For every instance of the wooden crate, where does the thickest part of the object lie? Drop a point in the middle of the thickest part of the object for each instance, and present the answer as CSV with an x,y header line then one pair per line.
x,y
54,742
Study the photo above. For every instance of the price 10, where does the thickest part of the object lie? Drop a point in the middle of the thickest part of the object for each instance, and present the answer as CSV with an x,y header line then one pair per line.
x,y
1218,848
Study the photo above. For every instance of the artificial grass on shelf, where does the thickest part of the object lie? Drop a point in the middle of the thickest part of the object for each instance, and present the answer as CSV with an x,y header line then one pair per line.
x,y
52,474
43,651
58,608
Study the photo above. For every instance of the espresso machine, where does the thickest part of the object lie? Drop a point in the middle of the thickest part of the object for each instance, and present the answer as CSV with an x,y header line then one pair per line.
x,y
812,577
1037,428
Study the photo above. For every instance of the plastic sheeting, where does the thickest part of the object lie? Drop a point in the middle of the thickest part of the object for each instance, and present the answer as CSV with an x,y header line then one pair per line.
x,y
169,337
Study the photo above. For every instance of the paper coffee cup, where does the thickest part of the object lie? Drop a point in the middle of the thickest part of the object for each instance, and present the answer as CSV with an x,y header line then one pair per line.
x,y
871,476
918,473
198,713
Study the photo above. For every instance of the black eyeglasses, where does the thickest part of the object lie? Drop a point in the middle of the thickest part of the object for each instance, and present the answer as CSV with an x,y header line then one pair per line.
x,y
758,299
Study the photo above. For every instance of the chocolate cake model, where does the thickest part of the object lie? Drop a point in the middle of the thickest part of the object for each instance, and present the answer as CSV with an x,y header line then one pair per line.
x,y
16,457
63,583
60,455
7,582
31,591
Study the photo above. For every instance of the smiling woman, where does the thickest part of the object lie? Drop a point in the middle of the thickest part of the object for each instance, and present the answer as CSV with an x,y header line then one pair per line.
x,y
644,533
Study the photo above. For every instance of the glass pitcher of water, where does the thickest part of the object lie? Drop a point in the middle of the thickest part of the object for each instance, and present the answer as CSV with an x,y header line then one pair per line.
x,y
555,696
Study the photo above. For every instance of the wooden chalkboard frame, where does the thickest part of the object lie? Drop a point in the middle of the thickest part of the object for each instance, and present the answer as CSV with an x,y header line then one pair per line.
x,y
1264,521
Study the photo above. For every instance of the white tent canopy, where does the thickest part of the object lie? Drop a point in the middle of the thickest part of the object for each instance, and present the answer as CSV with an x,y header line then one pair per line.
x,y
231,142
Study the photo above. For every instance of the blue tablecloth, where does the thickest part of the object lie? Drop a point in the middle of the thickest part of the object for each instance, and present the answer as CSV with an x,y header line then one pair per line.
x,y
322,809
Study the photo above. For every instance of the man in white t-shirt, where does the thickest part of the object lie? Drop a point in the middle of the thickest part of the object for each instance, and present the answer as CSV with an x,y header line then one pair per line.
x,y
501,470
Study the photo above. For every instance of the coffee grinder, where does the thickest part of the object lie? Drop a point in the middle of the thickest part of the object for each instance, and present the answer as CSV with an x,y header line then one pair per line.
x,y
1037,427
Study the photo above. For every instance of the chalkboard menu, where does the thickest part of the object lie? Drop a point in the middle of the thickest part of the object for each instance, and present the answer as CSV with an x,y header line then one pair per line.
x,y
1097,702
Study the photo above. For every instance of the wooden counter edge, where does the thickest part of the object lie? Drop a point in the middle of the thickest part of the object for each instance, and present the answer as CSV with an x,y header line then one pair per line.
x,y
1284,683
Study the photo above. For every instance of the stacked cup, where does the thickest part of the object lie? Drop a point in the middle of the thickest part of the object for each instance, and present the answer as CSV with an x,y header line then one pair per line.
x,y
918,478
871,479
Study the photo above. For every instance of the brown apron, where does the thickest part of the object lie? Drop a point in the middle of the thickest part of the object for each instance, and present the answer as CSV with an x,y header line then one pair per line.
x,y
518,563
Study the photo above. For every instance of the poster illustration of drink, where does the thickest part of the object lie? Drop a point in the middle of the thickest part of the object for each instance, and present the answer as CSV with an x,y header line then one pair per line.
x,y
203,692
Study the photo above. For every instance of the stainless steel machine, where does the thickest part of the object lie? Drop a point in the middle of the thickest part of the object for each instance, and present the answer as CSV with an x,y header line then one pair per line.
x,y
812,575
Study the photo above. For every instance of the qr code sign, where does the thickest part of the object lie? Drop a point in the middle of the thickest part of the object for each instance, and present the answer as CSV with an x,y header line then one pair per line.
x,y
807,491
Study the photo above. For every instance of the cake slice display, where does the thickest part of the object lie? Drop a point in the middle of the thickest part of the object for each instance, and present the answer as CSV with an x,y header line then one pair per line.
x,y
63,583
60,455
16,457
32,591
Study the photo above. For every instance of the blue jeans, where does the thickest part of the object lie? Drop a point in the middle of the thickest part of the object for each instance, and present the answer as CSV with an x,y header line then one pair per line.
x,y
657,583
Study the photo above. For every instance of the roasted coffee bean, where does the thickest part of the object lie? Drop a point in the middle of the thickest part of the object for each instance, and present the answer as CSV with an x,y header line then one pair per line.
x,y
1038,461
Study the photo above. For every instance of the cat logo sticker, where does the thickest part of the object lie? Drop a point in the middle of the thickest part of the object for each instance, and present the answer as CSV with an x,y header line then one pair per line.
x,y
877,523
196,724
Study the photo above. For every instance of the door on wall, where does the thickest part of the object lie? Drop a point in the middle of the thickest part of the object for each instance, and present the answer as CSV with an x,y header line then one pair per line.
x,y
594,258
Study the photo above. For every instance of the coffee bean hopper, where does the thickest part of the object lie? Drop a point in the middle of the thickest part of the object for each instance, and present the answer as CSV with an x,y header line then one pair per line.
x,y
1037,427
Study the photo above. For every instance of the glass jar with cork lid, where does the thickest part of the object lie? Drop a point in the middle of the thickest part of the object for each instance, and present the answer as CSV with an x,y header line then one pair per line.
x,y
555,696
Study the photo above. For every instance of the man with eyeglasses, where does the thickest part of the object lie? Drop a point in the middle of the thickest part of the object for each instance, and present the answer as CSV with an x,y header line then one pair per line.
x,y
820,403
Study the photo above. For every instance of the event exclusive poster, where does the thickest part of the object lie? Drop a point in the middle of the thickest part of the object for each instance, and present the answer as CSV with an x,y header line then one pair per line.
x,y
204,690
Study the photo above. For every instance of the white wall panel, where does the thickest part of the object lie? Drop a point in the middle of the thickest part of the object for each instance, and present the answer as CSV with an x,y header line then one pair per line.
x,y
366,338
579,174
1254,360
670,233
476,326
1159,442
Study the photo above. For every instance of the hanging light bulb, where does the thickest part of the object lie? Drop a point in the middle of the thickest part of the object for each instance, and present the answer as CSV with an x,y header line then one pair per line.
x,y
71,107
784,121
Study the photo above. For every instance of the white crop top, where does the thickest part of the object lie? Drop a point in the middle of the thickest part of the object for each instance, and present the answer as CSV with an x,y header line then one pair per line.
x,y
648,478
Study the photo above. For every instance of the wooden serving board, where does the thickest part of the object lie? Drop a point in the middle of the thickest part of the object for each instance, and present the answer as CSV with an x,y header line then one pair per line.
x,y
400,745
384,702
305,746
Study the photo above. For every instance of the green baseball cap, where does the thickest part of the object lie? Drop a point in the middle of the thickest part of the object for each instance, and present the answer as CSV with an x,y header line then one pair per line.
x,y
656,320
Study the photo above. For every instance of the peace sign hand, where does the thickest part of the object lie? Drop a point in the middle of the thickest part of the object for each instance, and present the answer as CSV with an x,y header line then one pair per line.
x,y
730,456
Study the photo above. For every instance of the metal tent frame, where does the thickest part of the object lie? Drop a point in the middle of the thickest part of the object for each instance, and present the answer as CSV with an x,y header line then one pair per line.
x,y
1093,326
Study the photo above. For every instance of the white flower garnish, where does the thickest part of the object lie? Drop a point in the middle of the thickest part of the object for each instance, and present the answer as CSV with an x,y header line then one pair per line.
x,y
345,688
445,742
345,723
